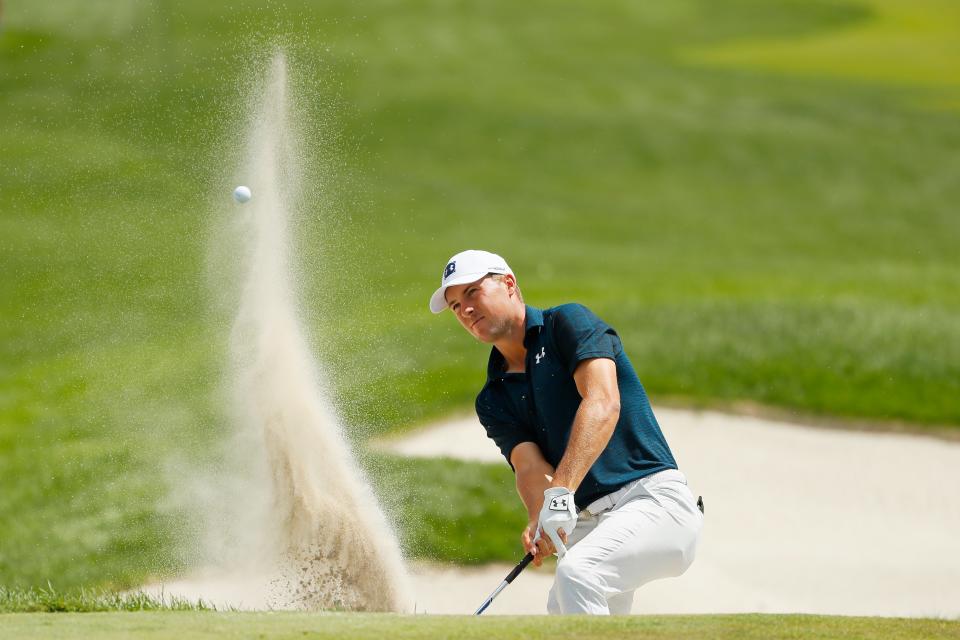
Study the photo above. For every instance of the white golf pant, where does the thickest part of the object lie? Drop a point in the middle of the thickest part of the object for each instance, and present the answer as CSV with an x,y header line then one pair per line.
x,y
647,530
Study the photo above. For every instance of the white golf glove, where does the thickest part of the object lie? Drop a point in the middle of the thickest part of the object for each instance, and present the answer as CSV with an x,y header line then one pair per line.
x,y
558,512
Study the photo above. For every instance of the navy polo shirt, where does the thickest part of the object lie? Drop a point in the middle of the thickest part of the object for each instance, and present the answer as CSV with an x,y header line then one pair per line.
x,y
539,405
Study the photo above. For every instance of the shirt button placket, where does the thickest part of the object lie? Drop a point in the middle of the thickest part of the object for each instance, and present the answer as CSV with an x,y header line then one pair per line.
x,y
531,402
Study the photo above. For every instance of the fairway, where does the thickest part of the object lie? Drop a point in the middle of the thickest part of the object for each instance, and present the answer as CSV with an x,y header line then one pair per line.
x,y
189,625
911,43
760,196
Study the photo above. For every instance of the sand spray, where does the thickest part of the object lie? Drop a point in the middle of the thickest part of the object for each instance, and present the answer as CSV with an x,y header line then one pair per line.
x,y
291,506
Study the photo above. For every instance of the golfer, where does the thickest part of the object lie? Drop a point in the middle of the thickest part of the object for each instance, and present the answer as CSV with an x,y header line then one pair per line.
x,y
565,407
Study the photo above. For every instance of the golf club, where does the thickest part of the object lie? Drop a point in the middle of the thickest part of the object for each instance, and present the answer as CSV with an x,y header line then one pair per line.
x,y
510,576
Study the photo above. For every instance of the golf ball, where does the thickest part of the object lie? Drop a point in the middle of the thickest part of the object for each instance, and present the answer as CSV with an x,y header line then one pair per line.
x,y
242,194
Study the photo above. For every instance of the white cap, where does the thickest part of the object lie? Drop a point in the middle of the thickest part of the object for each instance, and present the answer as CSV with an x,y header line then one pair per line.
x,y
466,266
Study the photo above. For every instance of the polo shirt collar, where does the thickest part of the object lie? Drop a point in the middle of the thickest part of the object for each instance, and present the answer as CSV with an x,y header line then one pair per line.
x,y
532,321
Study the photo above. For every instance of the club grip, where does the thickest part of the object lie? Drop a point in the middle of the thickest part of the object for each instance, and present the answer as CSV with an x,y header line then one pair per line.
x,y
520,567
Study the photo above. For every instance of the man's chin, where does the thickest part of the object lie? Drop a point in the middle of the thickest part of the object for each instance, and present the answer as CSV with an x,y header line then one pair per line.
x,y
483,334
483,337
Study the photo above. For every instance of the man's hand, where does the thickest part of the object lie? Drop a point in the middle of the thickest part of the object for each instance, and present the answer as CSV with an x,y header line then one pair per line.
x,y
539,546
558,517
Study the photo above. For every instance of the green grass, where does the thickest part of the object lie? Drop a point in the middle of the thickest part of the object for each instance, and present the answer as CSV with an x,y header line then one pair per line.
x,y
188,625
913,43
49,600
452,510
754,235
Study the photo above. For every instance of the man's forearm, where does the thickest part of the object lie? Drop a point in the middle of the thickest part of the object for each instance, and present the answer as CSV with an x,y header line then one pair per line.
x,y
592,428
531,483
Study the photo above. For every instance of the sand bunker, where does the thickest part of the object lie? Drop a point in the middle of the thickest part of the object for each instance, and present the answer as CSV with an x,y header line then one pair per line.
x,y
798,519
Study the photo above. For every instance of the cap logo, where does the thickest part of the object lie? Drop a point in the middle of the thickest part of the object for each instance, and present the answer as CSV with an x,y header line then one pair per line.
x,y
449,269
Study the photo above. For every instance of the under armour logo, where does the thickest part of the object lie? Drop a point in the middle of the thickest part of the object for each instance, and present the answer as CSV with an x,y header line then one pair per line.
x,y
449,269
558,504
542,354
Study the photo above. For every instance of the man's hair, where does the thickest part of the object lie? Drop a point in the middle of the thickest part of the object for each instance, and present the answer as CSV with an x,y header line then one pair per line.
x,y
499,278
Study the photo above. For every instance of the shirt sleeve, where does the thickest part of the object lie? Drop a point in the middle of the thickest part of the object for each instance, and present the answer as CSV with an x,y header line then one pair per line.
x,y
507,433
580,335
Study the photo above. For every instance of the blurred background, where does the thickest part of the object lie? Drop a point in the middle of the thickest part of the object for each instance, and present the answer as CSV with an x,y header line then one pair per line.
x,y
759,195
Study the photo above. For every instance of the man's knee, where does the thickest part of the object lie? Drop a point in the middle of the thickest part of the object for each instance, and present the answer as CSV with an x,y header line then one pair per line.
x,y
579,587
576,574
553,604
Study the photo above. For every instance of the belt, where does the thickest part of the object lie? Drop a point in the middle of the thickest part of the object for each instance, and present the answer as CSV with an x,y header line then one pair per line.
x,y
608,501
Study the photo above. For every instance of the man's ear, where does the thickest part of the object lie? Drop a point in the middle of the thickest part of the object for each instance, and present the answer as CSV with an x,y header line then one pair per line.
x,y
510,281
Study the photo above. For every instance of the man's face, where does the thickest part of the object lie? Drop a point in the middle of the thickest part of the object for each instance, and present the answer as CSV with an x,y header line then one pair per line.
x,y
484,307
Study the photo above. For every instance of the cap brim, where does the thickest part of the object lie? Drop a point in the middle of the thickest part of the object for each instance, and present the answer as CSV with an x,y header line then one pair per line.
x,y
438,302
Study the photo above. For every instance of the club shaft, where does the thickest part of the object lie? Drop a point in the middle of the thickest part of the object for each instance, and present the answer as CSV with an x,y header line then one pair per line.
x,y
489,600
510,576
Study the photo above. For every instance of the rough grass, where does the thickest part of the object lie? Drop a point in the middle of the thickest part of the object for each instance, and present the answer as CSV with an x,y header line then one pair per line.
x,y
189,625
81,600
451,510
753,236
